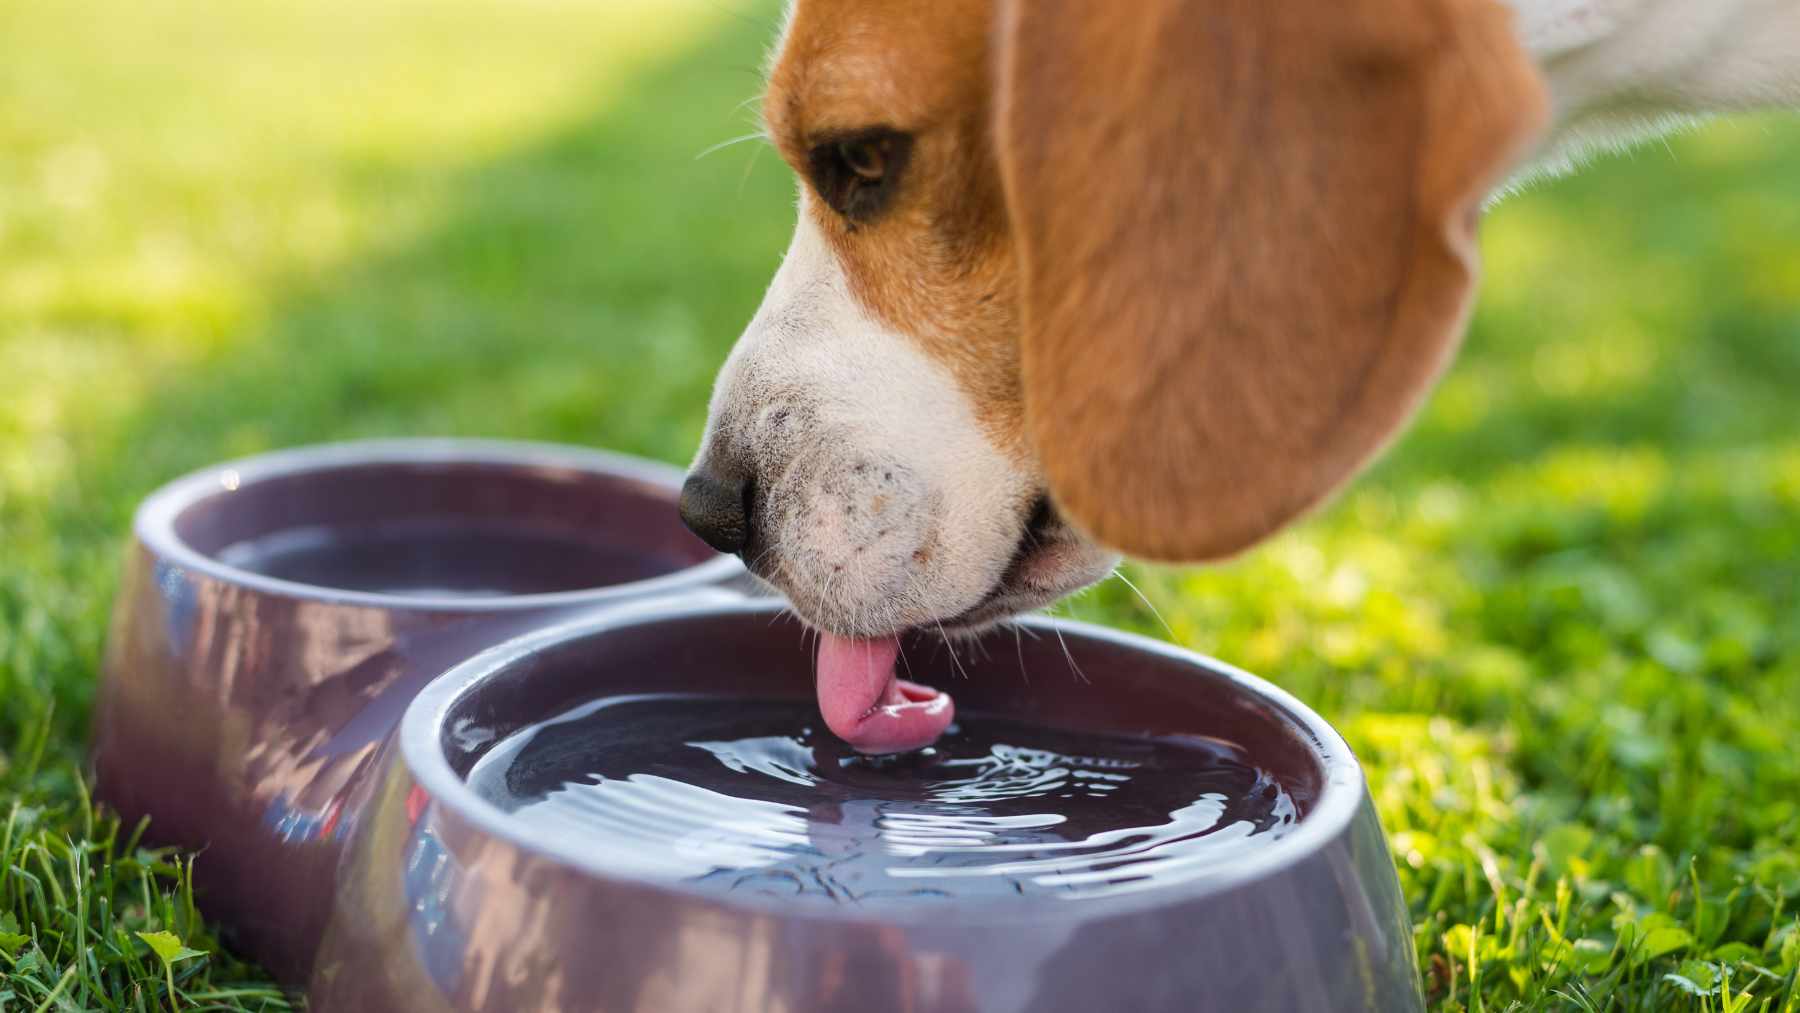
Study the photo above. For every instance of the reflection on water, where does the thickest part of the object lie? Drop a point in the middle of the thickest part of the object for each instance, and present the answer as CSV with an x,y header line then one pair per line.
x,y
751,795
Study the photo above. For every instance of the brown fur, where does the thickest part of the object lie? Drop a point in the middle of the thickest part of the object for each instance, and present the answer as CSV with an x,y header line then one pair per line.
x,y
1198,261
938,266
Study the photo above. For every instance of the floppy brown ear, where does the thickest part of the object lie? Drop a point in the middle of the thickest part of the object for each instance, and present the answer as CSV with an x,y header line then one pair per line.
x,y
1246,231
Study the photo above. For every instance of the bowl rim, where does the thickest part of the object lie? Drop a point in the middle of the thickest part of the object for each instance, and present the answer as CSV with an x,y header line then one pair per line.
x,y
154,523
1343,790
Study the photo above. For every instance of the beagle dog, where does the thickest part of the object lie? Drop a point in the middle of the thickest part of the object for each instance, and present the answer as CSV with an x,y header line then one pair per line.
x,y
1075,278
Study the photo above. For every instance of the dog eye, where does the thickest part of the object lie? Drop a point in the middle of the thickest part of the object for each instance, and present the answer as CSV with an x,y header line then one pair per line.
x,y
856,174
867,157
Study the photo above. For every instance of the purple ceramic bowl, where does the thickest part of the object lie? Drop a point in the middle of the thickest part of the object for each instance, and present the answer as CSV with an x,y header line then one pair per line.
x,y
447,902
278,613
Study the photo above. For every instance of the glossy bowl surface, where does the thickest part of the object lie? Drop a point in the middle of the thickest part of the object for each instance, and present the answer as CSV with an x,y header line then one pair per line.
x,y
447,903
278,613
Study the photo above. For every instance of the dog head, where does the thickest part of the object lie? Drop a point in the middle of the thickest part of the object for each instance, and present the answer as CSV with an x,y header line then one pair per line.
x,y
1071,280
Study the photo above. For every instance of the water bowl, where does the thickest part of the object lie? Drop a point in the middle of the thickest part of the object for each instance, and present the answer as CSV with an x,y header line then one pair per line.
x,y
278,613
639,810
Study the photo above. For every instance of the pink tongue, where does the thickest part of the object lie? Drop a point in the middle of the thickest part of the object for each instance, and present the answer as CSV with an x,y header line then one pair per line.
x,y
864,704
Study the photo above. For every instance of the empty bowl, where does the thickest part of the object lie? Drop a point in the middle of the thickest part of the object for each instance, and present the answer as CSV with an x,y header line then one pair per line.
x,y
639,810
278,613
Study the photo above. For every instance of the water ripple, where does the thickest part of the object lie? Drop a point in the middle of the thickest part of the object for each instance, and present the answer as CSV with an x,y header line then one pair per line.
x,y
747,796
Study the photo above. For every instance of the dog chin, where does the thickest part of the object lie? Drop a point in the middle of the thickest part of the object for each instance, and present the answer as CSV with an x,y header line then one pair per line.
x,y
1051,561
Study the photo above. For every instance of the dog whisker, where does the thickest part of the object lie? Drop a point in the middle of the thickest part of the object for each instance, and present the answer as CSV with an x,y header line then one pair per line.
x,y
722,145
955,662
1079,674
981,647
1019,646
749,166
762,24
1119,572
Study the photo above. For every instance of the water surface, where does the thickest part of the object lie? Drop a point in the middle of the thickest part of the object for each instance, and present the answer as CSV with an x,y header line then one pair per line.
x,y
755,796
440,558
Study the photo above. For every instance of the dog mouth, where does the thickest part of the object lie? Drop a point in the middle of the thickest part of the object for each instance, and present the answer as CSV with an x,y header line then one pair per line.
x,y
861,696
1043,529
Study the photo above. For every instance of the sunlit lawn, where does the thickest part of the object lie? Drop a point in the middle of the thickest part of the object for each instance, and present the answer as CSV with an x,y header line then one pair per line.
x,y
1561,622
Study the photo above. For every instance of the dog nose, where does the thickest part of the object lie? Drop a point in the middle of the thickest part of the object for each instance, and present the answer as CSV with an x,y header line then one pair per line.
x,y
717,509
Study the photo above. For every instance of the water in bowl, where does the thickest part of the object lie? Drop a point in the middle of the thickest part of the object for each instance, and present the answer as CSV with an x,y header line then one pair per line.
x,y
444,558
754,796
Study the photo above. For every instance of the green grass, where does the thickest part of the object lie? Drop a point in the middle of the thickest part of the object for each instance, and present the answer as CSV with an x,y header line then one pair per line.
x,y
1560,622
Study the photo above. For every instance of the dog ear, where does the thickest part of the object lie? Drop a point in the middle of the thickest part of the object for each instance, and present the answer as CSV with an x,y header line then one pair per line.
x,y
1246,237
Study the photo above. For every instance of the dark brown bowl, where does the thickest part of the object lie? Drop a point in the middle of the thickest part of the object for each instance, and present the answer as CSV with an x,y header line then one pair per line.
x,y
277,614
447,903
